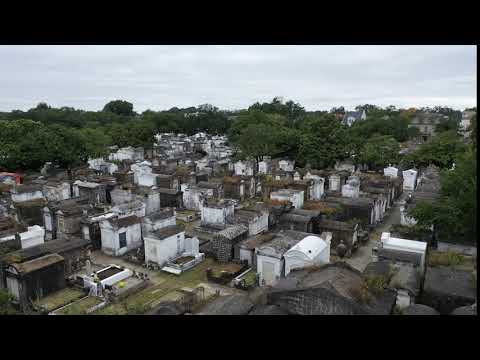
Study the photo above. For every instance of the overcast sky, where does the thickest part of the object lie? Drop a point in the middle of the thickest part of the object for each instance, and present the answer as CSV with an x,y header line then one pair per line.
x,y
234,77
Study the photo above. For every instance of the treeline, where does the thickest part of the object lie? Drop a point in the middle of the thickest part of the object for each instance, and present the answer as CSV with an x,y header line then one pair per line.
x,y
67,136
190,120
319,139
454,214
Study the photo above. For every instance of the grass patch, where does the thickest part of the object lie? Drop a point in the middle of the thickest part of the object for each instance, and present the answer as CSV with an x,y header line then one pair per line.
x,y
79,307
144,300
59,299
250,278
449,258
115,309
136,309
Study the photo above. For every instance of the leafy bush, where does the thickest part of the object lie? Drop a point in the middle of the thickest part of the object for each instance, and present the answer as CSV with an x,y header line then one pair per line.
x,y
6,307
376,284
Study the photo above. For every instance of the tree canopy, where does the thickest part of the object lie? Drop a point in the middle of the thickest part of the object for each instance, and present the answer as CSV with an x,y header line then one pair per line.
x,y
322,141
290,109
68,136
455,213
258,134
119,107
277,128
441,151
379,151
449,125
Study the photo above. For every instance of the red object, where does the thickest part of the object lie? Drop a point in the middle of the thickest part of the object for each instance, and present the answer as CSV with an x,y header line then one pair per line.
x,y
15,176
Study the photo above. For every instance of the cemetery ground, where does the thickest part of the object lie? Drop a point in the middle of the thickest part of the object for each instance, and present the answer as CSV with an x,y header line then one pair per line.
x,y
164,287
363,256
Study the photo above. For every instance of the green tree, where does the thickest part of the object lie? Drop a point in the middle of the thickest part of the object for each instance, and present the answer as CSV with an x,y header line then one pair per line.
x,y
369,108
258,140
379,151
95,142
65,146
455,213
119,134
42,106
141,134
257,134
322,141
24,144
254,117
28,144
448,125
119,107
441,151
290,109
6,307
207,108
383,122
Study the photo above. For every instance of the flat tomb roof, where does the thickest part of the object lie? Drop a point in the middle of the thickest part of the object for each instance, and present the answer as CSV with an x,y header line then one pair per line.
x,y
397,243
108,272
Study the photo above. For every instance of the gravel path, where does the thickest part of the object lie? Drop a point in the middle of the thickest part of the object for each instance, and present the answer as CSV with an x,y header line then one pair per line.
x,y
363,256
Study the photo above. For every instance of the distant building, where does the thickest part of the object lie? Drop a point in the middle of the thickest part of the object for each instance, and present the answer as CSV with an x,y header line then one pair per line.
x,y
466,122
426,123
352,116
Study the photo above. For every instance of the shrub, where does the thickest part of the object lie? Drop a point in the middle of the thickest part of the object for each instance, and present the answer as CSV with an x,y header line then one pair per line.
x,y
376,284
6,307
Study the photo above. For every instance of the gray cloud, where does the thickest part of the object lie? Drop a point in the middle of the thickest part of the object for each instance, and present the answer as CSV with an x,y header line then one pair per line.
x,y
233,77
